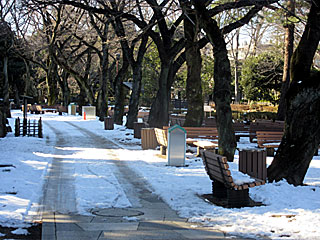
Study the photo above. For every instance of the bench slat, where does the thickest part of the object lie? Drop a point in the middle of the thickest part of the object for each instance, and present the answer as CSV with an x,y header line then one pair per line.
x,y
161,136
200,132
225,172
265,137
218,169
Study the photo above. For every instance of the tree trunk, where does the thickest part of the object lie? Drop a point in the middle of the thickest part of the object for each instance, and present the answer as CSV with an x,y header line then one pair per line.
x,y
3,129
65,91
137,79
135,96
302,132
288,51
237,96
222,98
51,82
222,86
159,113
194,96
103,99
119,92
81,99
6,102
29,88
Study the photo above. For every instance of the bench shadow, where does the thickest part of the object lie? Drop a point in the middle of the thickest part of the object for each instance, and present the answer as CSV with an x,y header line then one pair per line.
x,y
222,202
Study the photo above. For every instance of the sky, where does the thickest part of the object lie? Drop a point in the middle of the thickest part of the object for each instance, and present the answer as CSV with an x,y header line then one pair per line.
x,y
289,212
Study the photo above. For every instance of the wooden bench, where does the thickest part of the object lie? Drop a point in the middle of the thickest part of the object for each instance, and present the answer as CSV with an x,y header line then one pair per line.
x,y
269,140
62,109
200,132
205,145
37,109
223,184
196,133
265,125
162,139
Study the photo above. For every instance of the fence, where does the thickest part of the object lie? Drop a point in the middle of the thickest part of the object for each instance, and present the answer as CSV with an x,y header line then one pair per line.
x,y
30,128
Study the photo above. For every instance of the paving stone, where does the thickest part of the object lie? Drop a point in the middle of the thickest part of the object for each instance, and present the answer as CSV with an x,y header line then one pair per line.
x,y
149,226
77,235
108,226
141,235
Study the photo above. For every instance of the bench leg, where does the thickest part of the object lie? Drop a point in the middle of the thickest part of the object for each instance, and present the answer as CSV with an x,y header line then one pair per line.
x,y
219,190
237,198
163,150
198,152
270,152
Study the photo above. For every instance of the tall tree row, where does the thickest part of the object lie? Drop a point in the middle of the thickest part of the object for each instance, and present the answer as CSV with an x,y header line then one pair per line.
x,y
97,44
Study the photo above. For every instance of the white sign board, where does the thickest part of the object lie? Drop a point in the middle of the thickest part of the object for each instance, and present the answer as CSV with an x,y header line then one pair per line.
x,y
207,108
72,109
88,112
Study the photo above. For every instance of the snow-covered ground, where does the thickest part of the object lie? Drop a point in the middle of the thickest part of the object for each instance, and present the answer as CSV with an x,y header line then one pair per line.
x,y
290,212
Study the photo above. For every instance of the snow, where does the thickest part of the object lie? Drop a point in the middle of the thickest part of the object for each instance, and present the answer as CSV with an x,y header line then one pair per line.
x,y
240,178
289,212
20,231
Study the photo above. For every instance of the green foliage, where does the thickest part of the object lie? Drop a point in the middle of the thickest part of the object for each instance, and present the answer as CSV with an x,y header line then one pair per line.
x,y
261,77
207,75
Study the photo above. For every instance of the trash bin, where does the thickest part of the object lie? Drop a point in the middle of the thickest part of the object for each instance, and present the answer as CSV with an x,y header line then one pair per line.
x,y
176,152
137,126
72,109
108,123
253,163
148,139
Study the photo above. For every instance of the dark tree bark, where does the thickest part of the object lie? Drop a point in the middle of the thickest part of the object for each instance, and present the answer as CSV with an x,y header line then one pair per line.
x,y
159,113
222,78
302,129
288,51
194,117
119,92
237,94
3,129
103,96
169,49
6,102
51,66
65,91
135,63
51,81
103,54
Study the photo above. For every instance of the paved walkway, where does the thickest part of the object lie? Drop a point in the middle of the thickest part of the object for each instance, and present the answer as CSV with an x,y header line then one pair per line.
x,y
149,218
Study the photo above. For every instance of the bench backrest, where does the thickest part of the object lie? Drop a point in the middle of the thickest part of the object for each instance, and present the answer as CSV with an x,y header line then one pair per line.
x,y
177,120
217,168
265,125
200,132
38,108
269,137
162,136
